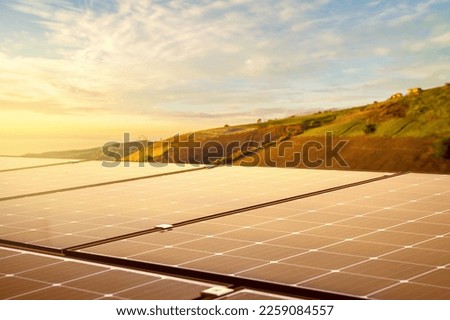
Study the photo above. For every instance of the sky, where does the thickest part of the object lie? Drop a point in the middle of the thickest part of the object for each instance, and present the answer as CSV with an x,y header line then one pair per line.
x,y
79,73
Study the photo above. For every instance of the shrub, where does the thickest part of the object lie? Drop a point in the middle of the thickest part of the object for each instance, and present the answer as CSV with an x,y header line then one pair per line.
x,y
370,128
442,148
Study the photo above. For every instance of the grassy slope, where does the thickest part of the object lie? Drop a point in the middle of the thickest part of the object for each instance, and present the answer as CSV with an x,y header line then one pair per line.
x,y
420,116
408,133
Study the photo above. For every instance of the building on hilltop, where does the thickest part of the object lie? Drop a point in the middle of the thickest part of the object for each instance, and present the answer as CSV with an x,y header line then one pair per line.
x,y
414,91
396,95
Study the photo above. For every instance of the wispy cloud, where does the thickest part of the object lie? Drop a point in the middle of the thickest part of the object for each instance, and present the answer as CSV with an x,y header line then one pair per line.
x,y
202,59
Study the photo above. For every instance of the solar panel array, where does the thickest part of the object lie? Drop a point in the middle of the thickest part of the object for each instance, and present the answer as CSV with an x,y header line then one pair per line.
x,y
20,163
73,175
266,233
65,219
25,275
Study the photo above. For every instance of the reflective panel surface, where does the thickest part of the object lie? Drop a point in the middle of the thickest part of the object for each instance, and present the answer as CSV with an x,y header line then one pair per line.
x,y
65,219
361,244
27,276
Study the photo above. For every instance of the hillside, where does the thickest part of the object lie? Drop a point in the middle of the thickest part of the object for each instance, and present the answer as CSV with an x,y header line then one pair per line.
x,y
403,133
408,133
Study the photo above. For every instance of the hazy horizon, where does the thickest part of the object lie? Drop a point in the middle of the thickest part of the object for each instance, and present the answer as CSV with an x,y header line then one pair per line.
x,y
80,72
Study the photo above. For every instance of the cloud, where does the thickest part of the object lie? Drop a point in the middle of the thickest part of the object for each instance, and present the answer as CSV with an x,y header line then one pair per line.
x,y
442,39
145,45
207,57
373,3
403,12
48,83
382,51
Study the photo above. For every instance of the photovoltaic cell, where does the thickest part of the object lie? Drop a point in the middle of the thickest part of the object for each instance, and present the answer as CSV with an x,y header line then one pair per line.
x,y
15,163
388,239
412,291
325,242
71,175
65,219
25,276
247,294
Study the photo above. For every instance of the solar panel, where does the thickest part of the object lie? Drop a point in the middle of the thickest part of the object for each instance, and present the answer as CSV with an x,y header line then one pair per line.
x,y
247,294
308,233
19,183
71,218
18,163
367,243
25,275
